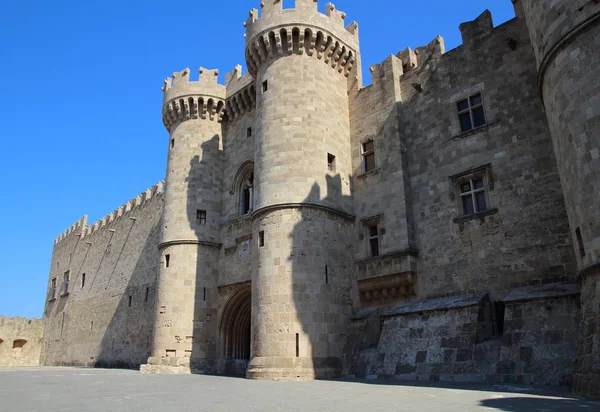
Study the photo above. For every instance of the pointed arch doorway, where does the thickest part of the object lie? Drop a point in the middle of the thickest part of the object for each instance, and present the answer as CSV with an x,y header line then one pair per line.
x,y
235,330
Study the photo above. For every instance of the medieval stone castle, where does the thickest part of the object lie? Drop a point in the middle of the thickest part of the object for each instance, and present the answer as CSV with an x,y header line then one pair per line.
x,y
442,223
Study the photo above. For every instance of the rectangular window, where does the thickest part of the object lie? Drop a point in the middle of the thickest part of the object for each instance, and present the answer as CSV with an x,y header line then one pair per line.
x,y
373,233
83,280
167,260
368,156
66,277
330,162
53,289
265,86
261,238
201,217
249,132
130,300
472,196
172,143
297,345
147,295
471,113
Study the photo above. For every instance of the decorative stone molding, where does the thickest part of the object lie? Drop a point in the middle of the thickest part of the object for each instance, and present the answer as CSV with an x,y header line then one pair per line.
x,y
300,39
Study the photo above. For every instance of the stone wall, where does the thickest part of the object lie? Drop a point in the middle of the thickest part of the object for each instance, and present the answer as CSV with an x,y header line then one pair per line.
x,y
105,315
20,341
466,339
587,371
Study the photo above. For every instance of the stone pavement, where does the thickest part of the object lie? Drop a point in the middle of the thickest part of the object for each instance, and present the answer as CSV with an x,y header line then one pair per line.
x,y
97,390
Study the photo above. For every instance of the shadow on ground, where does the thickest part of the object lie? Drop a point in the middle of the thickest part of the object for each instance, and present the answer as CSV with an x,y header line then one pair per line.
x,y
531,404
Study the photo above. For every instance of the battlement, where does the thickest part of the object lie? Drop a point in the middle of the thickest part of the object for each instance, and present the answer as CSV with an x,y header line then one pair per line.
x,y
80,228
76,229
300,30
185,99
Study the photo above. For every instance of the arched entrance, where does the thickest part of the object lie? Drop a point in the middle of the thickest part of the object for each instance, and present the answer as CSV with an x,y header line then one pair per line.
x,y
235,326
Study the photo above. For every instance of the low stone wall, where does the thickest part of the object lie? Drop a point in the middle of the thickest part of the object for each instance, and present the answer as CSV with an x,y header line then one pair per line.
x,y
587,371
20,341
528,335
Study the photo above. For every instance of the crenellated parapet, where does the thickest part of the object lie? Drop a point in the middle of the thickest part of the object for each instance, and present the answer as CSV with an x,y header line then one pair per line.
x,y
302,30
241,93
81,228
76,228
185,99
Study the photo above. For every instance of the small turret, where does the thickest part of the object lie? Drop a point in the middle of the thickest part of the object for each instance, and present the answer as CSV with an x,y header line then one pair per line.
x,y
190,239
281,32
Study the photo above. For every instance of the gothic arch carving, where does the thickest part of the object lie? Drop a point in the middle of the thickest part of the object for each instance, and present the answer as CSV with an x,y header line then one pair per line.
x,y
243,186
234,329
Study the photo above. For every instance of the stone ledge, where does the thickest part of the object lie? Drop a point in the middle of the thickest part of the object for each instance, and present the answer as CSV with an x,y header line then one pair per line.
x,y
543,292
474,216
432,305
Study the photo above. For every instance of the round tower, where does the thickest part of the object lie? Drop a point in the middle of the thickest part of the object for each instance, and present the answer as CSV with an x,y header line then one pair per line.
x,y
565,36
303,62
185,328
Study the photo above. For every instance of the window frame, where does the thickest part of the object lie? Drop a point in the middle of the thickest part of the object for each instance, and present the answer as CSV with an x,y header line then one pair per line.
x,y
365,153
470,109
482,173
66,281
201,217
368,225
53,285
331,163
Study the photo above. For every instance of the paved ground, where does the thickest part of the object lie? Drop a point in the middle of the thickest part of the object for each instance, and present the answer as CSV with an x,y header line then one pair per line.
x,y
95,390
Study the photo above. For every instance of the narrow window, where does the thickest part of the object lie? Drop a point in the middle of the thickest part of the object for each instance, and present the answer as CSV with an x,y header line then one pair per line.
x,y
261,238
265,86
204,297
580,242
249,132
108,248
247,195
147,295
471,113
172,143
373,238
53,289
65,288
330,162
201,217
167,260
130,300
92,325
368,156
326,274
83,280
297,345
472,194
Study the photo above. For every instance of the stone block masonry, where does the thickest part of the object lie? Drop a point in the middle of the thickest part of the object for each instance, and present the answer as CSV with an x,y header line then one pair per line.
x,y
440,223
20,341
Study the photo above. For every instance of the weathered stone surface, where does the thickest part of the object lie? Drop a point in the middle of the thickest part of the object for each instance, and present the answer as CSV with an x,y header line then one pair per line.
x,y
278,242
20,341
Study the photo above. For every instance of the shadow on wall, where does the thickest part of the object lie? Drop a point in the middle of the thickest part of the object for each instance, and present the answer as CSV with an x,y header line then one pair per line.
x,y
126,342
321,260
204,185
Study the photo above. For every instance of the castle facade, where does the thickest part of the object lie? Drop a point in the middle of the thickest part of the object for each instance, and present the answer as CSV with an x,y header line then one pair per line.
x,y
441,223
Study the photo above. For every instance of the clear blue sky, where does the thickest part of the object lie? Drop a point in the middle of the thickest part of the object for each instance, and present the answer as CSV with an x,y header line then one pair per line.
x,y
80,102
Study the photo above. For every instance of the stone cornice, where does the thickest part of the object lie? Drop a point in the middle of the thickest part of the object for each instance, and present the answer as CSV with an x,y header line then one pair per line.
x,y
288,39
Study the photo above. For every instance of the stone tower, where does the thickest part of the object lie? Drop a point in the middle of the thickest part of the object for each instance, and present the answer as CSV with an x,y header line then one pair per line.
x,y
303,62
566,36
190,240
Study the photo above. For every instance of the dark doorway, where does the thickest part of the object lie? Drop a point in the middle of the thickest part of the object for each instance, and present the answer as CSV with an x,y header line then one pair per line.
x,y
236,326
